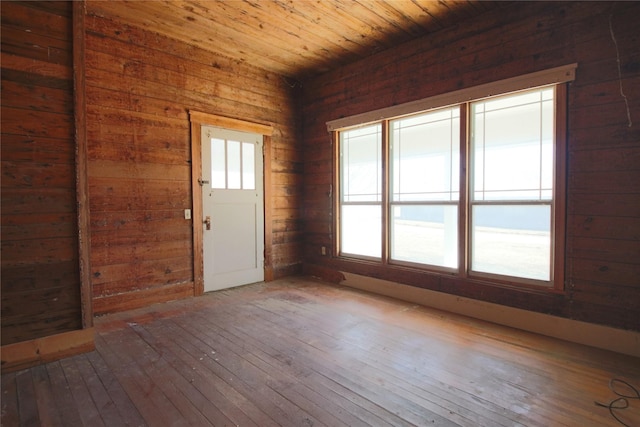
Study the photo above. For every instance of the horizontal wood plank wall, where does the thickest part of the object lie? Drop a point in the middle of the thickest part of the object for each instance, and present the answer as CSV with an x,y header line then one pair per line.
x,y
140,87
603,224
40,266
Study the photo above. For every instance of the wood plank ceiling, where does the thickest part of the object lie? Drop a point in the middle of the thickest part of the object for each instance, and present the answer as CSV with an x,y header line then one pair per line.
x,y
294,38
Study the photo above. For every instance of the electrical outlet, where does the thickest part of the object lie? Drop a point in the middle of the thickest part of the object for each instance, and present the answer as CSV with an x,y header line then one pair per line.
x,y
187,214
323,250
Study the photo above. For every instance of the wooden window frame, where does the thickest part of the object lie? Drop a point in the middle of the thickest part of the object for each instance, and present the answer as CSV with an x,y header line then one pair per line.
x,y
559,78
458,203
557,205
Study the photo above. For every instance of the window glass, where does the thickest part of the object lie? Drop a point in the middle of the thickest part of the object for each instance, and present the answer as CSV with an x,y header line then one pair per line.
x,y
425,156
233,165
512,140
425,234
218,163
512,240
425,167
361,195
361,230
248,166
512,147
361,164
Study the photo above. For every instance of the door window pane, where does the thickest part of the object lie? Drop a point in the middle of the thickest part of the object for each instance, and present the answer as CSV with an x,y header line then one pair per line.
x,y
233,165
218,163
248,166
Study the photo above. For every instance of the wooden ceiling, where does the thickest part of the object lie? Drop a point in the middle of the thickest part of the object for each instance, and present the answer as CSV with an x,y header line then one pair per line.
x,y
294,38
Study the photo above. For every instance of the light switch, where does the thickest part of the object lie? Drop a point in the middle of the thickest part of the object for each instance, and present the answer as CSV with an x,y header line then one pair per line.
x,y
187,214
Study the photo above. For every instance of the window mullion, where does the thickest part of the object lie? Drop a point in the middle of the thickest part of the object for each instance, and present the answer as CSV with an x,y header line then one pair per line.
x,y
337,191
386,178
558,210
226,163
463,200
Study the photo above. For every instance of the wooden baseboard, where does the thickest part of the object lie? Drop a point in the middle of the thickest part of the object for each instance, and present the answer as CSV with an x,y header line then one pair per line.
x,y
268,274
30,353
142,298
604,337
287,270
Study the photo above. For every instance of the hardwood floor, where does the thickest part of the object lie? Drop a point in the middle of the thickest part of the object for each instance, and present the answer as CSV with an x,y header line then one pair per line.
x,y
297,352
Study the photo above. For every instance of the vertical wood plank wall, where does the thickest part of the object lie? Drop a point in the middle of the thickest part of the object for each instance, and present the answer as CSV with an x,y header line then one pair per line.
x,y
603,224
40,276
140,87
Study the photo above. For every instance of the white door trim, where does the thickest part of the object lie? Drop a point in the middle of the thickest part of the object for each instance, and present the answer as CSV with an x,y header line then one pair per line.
x,y
199,119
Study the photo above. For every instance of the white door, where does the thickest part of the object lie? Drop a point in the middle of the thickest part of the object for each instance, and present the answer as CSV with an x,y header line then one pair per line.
x,y
232,208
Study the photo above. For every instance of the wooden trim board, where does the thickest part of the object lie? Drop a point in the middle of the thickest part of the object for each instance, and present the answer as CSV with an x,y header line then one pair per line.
x,y
199,119
196,208
268,209
82,181
556,75
25,354
142,298
230,123
604,337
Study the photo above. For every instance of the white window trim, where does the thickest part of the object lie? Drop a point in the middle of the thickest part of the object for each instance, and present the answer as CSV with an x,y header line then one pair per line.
x,y
562,74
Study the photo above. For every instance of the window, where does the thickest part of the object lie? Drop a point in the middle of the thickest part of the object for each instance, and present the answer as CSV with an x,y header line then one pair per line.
x,y
361,191
232,164
475,188
512,145
425,176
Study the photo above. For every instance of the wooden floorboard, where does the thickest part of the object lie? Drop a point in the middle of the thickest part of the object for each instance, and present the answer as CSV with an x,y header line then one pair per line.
x,y
65,403
9,400
298,352
87,409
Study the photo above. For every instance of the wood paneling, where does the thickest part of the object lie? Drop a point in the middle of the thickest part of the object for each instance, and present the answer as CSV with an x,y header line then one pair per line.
x,y
298,352
144,71
140,89
40,261
290,38
602,254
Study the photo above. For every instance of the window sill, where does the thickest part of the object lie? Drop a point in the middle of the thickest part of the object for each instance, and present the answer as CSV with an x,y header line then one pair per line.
x,y
439,279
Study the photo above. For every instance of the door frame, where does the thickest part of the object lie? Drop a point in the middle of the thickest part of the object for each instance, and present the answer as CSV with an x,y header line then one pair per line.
x,y
199,119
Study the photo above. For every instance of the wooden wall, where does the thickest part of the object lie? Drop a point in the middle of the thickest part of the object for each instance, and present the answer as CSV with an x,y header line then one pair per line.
x,y
603,223
40,261
140,87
